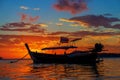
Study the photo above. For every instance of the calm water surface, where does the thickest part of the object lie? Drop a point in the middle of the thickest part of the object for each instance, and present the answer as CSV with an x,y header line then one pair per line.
x,y
109,69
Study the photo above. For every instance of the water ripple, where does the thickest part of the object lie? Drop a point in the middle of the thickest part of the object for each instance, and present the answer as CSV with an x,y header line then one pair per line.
x,y
25,70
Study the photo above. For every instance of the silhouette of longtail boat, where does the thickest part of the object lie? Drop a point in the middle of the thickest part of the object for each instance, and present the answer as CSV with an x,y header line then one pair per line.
x,y
77,56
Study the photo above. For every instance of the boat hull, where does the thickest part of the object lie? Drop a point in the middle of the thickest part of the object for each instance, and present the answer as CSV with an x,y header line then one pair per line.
x,y
79,57
51,58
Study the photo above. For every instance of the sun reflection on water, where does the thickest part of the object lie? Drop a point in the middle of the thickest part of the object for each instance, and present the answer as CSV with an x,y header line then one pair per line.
x,y
25,70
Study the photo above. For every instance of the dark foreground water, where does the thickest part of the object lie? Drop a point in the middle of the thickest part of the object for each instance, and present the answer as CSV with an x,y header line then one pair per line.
x,y
109,69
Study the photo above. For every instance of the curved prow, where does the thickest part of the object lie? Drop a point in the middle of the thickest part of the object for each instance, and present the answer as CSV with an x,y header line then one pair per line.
x,y
26,45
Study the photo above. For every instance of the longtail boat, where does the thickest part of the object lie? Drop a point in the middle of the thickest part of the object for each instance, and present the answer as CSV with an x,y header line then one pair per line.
x,y
76,56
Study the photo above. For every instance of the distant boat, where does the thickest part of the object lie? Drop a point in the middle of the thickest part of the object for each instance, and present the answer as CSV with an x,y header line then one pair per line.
x,y
1,58
77,56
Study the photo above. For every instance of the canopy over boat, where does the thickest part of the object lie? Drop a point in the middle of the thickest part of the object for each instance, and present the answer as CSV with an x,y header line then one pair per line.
x,y
60,47
76,39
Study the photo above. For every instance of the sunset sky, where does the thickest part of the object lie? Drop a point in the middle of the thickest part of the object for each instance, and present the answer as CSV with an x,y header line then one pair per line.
x,y
41,23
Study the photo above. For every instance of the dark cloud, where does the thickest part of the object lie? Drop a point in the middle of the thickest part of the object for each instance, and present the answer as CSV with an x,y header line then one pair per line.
x,y
21,26
59,33
97,21
116,26
72,6
84,33
107,14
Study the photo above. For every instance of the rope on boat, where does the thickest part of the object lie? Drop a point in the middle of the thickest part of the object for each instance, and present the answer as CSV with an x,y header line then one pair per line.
x,y
19,59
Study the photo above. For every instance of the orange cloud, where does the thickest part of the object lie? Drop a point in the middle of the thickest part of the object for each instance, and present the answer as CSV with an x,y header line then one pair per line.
x,y
65,20
28,18
59,24
81,23
75,25
33,19
23,17
12,46
43,25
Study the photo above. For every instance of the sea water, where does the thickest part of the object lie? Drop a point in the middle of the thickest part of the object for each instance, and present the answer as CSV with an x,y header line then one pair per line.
x,y
109,69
